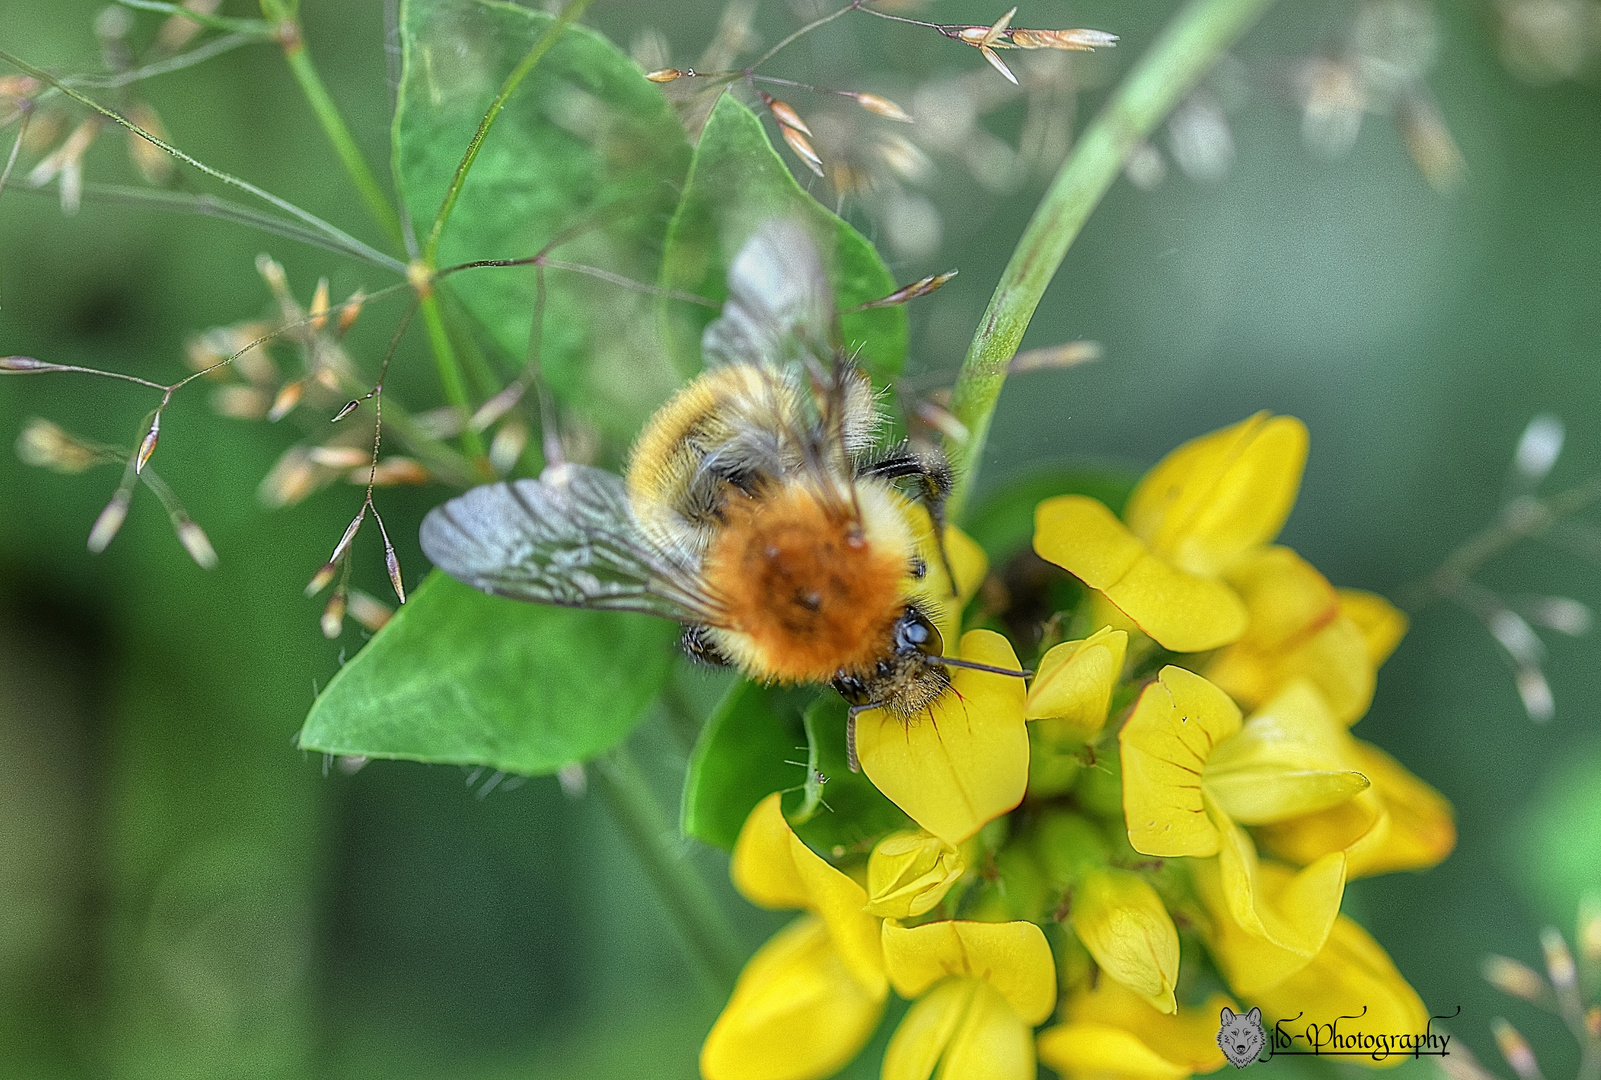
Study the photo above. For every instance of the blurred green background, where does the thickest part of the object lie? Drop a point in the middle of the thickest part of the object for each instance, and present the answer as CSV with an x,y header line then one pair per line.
x,y
184,894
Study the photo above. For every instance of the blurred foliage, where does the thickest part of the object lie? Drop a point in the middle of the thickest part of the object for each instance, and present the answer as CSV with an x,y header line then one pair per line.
x,y
182,893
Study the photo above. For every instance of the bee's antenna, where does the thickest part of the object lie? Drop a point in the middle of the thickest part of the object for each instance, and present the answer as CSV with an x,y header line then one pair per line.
x,y
949,661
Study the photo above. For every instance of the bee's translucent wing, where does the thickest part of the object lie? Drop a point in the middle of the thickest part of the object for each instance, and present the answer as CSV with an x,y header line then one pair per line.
x,y
568,538
779,305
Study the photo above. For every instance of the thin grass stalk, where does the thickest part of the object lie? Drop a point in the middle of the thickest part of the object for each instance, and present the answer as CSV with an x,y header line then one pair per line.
x,y
1197,36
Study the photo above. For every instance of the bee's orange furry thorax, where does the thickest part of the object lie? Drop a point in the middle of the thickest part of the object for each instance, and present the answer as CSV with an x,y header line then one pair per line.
x,y
808,590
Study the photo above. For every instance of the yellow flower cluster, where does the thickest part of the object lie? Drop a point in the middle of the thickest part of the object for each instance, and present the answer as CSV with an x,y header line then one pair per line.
x,y
1230,791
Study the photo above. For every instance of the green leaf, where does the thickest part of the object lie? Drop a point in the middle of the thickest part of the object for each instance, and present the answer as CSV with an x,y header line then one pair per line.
x,y
585,143
1003,520
853,814
460,677
737,182
746,751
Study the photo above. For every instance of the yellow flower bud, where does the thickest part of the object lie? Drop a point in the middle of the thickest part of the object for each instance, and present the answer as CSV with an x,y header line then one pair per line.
x,y
1073,685
1126,927
909,873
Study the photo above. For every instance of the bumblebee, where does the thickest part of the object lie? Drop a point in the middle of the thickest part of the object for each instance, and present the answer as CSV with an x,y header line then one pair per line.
x,y
757,509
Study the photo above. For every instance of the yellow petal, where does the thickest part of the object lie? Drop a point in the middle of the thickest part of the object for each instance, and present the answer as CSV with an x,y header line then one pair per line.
x,y
1297,630
926,1030
1012,957
840,902
1422,824
1088,1051
1294,914
909,873
964,761
1351,972
1286,761
1073,683
1248,961
795,1014
992,1042
1360,828
1126,927
1182,611
1217,497
1381,623
763,865
1400,823
1175,725
1187,1038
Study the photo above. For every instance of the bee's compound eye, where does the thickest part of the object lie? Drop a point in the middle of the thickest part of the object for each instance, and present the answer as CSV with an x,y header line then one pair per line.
x,y
914,631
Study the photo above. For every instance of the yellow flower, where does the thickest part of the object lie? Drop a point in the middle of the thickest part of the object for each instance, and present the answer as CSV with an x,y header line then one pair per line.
x,y
1073,684
1185,751
909,873
1192,772
1126,927
978,991
1198,513
810,998
1350,974
1111,1033
1302,628
962,763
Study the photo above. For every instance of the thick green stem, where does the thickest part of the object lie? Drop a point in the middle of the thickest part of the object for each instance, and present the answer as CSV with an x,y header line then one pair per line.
x,y
1187,49
449,369
287,31
546,40
708,938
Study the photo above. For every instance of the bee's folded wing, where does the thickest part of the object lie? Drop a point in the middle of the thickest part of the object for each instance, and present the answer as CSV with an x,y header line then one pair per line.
x,y
779,304
568,538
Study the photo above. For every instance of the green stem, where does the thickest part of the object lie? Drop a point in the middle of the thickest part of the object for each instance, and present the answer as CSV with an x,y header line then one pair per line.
x,y
1187,49
546,40
708,937
333,125
215,22
449,369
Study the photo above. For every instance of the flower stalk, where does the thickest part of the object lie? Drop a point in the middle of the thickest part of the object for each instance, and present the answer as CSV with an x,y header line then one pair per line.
x,y
287,34
709,940
1187,49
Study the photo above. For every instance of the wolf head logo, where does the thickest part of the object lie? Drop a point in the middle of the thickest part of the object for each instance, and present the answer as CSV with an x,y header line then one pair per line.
x,y
1240,1037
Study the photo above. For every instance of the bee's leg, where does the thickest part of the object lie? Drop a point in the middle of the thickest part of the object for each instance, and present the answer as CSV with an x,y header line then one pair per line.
x,y
851,759
699,647
934,482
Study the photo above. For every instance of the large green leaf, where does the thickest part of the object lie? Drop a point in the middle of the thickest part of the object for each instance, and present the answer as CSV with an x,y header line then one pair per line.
x,y
752,746
736,183
457,676
585,143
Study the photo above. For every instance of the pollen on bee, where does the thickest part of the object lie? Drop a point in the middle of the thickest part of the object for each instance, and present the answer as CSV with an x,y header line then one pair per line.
x,y
809,587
